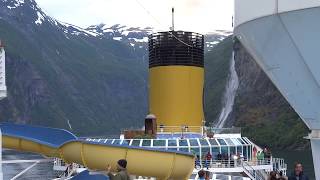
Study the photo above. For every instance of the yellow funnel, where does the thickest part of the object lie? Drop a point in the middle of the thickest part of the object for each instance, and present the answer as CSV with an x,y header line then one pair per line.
x,y
176,75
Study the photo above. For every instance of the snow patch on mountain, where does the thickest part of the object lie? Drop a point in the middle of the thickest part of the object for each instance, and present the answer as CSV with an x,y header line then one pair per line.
x,y
14,4
75,30
40,18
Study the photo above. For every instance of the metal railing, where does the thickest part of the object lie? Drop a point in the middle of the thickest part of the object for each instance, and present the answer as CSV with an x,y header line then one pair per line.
x,y
180,129
253,173
233,130
217,164
279,165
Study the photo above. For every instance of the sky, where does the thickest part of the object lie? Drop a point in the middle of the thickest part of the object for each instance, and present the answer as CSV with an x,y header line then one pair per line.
x,y
190,15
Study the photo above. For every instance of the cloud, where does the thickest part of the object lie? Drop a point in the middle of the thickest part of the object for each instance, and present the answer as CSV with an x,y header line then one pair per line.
x,y
191,15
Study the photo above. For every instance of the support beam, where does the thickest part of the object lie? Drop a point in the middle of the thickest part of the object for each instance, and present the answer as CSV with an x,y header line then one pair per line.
x,y
314,137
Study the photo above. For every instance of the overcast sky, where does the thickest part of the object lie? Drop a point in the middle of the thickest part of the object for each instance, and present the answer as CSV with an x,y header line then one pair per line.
x,y
192,15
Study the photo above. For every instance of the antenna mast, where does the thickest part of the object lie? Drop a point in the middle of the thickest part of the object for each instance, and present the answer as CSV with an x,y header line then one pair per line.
x,y
172,28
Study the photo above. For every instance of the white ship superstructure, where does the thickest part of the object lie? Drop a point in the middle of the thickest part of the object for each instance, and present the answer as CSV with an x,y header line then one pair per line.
x,y
283,37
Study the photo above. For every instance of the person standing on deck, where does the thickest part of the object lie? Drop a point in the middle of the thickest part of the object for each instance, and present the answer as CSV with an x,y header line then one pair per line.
x,y
201,175
208,159
121,174
298,173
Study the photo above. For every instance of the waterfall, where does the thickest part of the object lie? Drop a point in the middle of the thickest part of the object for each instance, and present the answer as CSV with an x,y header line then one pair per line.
x,y
229,95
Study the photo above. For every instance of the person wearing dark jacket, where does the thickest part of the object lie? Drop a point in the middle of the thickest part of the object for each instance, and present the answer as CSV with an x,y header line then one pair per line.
x,y
121,174
298,173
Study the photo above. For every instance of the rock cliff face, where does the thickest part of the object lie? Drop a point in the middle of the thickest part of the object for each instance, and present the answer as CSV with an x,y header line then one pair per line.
x,y
261,110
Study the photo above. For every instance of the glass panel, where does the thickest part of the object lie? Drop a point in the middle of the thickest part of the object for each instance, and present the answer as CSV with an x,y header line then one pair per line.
x,y
183,142
215,152
195,151
241,141
230,143
244,140
159,142
233,150
249,152
245,152
239,150
204,142
213,142
146,142
193,142
116,142
204,152
236,142
184,149
222,142
172,142
135,142
224,150
126,142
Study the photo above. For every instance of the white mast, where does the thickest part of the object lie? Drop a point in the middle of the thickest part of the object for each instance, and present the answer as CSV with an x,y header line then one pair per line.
x,y
172,28
3,94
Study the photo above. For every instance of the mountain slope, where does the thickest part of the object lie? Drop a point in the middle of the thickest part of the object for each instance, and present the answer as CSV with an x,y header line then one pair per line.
x,y
65,79
91,81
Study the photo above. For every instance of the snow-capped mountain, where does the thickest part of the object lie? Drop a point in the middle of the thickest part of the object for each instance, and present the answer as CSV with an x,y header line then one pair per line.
x,y
135,37
65,76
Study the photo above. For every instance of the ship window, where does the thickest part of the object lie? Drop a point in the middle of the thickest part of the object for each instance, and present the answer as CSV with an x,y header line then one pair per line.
x,y
213,142
159,142
193,142
172,142
135,142
222,142
204,142
146,142
183,142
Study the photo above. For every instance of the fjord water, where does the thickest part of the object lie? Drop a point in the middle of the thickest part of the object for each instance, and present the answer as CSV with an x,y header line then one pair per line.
x,y
291,157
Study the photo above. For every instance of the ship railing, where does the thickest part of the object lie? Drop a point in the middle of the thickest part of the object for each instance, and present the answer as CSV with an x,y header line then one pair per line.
x,y
217,164
180,129
267,161
233,130
252,173
230,163
279,165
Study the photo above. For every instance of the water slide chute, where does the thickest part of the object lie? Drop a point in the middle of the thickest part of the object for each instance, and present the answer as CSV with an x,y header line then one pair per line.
x,y
96,156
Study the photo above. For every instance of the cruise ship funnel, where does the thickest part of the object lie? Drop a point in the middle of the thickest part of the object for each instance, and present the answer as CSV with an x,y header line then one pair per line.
x,y
283,37
176,75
